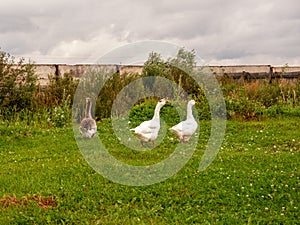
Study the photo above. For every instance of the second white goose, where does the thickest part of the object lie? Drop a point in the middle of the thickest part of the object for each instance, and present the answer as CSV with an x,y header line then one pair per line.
x,y
185,129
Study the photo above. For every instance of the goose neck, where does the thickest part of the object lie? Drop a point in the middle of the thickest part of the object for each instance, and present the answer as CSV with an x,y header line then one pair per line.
x,y
156,112
189,113
88,109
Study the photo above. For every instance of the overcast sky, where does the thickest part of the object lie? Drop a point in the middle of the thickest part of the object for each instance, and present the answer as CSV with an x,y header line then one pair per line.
x,y
221,32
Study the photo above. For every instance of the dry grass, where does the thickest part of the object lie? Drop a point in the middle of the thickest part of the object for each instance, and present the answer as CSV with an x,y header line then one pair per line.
x,y
42,202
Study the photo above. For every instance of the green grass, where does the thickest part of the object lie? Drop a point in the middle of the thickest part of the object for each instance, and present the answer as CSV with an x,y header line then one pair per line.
x,y
253,180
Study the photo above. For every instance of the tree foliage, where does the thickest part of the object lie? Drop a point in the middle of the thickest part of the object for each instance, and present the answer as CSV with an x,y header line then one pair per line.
x,y
177,69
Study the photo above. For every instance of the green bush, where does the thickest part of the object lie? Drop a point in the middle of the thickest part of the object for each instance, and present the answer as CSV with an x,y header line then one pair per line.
x,y
178,69
110,91
55,93
202,106
17,83
145,111
240,107
254,99
103,87
60,115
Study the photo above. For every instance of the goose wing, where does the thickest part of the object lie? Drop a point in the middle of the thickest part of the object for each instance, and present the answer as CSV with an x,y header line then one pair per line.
x,y
146,129
187,127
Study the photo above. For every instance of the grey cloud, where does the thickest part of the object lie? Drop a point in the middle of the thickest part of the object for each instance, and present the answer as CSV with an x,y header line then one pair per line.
x,y
15,24
215,28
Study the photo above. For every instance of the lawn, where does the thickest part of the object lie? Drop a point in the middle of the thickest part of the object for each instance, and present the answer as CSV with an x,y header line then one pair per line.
x,y
253,180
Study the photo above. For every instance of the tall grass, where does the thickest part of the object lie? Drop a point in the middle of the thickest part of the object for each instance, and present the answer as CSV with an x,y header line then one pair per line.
x,y
50,107
58,116
259,98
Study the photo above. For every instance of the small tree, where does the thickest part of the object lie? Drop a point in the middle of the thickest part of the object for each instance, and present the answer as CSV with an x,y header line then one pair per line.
x,y
180,69
17,82
154,66
58,89
177,69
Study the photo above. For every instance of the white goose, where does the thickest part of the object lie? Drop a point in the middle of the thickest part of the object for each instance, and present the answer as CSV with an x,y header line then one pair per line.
x,y
148,130
185,129
88,127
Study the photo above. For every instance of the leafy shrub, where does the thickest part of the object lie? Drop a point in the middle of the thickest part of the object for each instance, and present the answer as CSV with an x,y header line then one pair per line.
x,y
178,70
17,82
103,87
257,98
60,115
56,91
142,112
273,111
241,108
145,110
110,91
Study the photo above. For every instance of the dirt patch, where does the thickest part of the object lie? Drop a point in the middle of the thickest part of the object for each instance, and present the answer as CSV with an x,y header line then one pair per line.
x,y
43,202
